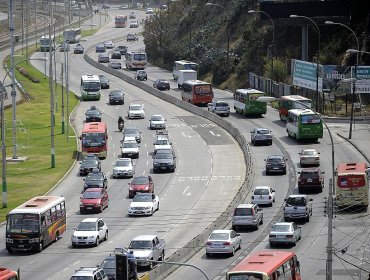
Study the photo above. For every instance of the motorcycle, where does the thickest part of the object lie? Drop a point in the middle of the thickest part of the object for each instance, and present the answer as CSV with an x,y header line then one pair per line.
x,y
120,126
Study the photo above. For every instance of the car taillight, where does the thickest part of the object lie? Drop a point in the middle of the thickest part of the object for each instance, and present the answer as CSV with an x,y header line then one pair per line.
x,y
317,158
226,243
272,235
253,212
209,243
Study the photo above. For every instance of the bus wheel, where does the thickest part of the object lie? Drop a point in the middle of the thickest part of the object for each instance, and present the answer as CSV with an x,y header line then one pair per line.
x,y
56,236
10,251
40,247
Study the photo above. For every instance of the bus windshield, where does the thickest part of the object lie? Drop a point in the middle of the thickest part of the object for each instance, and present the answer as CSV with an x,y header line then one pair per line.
x,y
254,96
23,223
202,89
93,139
140,56
246,276
310,119
91,86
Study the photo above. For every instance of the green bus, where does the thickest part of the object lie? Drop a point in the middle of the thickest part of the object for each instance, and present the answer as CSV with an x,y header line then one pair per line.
x,y
90,87
246,104
304,124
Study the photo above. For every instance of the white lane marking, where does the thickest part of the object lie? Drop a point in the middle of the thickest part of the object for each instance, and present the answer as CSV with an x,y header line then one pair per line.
x,y
110,241
31,262
76,262
147,162
145,145
187,136
65,269
216,135
186,192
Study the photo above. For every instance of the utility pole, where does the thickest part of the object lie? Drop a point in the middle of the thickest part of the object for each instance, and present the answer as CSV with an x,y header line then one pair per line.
x,y
329,248
52,122
67,90
3,149
62,82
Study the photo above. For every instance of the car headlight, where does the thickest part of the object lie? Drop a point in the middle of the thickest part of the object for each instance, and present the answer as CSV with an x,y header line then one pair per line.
x,y
156,163
91,237
8,240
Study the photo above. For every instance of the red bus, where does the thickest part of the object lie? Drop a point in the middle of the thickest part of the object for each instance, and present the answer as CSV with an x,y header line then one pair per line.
x,y
35,224
267,265
197,92
7,274
94,139
288,102
120,21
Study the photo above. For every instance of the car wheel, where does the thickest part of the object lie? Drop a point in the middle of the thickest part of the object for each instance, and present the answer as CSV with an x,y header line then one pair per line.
x,y
308,218
162,256
106,236
101,209
294,243
267,172
240,244
256,227
158,206
96,242
151,212
261,222
233,251
10,251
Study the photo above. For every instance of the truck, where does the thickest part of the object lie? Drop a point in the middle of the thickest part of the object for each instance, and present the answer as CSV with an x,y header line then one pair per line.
x,y
185,75
297,206
147,247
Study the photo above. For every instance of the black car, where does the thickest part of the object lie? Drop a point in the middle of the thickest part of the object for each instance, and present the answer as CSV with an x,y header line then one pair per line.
x,y
164,162
116,97
79,49
88,164
93,115
161,84
115,55
104,82
121,49
96,179
275,164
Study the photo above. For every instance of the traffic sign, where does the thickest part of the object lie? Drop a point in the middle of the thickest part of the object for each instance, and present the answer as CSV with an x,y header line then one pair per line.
x,y
304,74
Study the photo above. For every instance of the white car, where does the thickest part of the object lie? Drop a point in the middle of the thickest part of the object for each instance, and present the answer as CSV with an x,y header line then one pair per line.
x,y
144,204
223,241
263,195
309,157
130,149
157,122
123,167
134,24
149,11
136,111
90,231
109,44
162,143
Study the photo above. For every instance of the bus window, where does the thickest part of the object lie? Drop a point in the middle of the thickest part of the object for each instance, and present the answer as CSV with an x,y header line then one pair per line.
x,y
53,214
63,209
59,211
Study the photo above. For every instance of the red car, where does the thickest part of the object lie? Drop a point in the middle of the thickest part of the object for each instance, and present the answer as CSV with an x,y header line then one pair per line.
x,y
94,200
143,184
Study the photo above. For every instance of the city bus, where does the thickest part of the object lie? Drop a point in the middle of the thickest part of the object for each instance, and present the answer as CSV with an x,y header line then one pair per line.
x,y
304,124
35,224
183,65
352,185
267,265
245,102
90,87
292,102
120,21
136,60
47,43
7,274
197,92
94,139
72,35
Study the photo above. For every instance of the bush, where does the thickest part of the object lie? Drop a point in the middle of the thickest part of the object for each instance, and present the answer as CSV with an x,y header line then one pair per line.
x,y
25,73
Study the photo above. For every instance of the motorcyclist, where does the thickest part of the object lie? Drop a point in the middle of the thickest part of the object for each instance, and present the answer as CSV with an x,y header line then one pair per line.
x,y
121,122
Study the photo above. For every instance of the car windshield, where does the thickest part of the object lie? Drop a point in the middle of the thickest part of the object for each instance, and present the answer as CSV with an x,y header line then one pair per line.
x,y
221,104
140,180
93,139
309,174
263,131
138,244
129,145
103,55
130,131
296,201
94,177
243,212
219,236
86,226
161,142
135,107
90,195
157,118
109,263
89,161
123,163
116,93
23,223
308,153
163,156
142,198
261,192
275,159
281,228
82,278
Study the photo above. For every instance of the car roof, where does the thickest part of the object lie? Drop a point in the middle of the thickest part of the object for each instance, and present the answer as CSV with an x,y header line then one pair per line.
x,y
144,237
310,170
313,150
94,190
262,187
275,156
246,205
284,223
221,231
124,159
297,195
89,220
157,116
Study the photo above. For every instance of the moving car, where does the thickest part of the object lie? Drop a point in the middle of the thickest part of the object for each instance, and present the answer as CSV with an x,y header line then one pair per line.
x,y
132,15
284,233
103,58
132,132
134,24
219,107
157,122
263,195
90,231
116,97
141,75
149,11
247,215
261,135
161,84
115,55
162,142
130,149
297,206
147,247
100,48
164,162
109,44
123,167
88,164
275,164
132,37
310,179
115,64
93,114
104,82
136,111
309,157
78,49
223,242
64,47
144,204
96,179
121,49
89,273
142,184
94,200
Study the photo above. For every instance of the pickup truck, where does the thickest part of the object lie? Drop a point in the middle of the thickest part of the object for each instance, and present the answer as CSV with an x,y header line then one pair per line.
x,y
141,75
147,247
297,206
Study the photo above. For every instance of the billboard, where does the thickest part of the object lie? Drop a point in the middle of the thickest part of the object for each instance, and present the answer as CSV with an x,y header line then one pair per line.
x,y
362,73
304,74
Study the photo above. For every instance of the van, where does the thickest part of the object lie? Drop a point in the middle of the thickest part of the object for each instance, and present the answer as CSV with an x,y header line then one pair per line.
x,y
247,215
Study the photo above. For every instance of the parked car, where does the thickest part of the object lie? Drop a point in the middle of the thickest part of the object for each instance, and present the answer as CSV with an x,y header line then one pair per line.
x,y
143,184
94,200
121,49
263,195
310,179
100,48
115,55
93,114
88,164
164,162
109,44
115,64
261,135
134,24
90,231
219,107
275,164
103,58
223,242
147,247
64,47
297,206
136,111
96,179
116,97
284,233
132,15
123,167
157,122
247,215
132,132
144,204
130,149
78,49
89,273
104,82
161,84
132,37
141,75
309,157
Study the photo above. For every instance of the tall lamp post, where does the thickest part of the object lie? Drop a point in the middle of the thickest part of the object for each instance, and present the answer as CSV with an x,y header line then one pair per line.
x,y
3,134
357,63
272,43
329,248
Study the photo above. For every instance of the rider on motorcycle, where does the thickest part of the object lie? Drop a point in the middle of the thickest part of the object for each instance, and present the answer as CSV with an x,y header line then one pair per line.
x,y
121,121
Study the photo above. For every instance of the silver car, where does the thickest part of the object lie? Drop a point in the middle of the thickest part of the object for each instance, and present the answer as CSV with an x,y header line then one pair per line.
x,y
309,157
219,107
132,132
223,242
115,64
261,136
247,215
285,233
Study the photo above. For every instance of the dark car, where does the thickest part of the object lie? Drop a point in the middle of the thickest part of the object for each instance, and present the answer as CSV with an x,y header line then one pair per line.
x,y
96,179
132,132
94,200
261,135
88,164
115,55
164,162
161,84
93,115
109,264
275,164
116,97
100,48
78,49
104,82
103,58
142,184
121,49
310,179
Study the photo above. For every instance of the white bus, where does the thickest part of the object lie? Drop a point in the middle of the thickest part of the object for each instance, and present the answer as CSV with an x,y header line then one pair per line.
x,y
136,60
72,35
183,65
90,87
47,43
